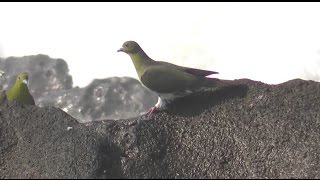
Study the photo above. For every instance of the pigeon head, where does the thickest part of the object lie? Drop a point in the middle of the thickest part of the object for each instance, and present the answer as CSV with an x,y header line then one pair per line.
x,y
130,47
22,78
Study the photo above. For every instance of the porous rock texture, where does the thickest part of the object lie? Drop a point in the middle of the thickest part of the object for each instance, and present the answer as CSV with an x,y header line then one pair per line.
x,y
251,130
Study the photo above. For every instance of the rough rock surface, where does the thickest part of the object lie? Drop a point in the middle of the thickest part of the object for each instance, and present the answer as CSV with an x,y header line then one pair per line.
x,y
253,131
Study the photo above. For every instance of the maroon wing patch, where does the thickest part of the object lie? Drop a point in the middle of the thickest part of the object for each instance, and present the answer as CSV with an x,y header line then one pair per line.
x,y
200,72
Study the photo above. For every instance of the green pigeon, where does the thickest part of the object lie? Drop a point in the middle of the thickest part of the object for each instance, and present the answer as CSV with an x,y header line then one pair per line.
x,y
19,91
167,80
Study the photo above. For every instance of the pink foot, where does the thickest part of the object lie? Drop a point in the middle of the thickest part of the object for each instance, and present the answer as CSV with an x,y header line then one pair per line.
x,y
151,110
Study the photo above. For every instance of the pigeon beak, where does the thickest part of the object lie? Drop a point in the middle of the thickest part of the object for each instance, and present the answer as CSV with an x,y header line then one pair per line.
x,y
25,81
120,50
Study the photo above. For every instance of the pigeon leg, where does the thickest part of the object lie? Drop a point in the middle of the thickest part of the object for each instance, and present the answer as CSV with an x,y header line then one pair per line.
x,y
155,107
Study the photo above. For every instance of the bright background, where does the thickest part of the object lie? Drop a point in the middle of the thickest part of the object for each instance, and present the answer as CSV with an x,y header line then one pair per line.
x,y
268,42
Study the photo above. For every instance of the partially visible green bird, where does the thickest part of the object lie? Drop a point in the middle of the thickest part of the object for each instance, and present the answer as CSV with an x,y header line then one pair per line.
x,y
166,79
19,91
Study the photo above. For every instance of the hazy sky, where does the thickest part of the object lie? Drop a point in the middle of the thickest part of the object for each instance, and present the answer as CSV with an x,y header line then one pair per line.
x,y
268,42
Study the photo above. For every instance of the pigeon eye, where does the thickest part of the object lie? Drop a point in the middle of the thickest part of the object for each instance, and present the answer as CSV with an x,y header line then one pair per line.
x,y
126,45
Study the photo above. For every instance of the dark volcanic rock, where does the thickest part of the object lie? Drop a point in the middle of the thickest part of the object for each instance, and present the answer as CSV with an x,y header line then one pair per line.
x,y
48,143
253,131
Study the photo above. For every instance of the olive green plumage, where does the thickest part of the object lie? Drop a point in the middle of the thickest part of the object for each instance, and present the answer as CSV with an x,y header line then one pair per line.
x,y
19,91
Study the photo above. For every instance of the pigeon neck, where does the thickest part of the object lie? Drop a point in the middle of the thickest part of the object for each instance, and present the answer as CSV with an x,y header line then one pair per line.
x,y
140,60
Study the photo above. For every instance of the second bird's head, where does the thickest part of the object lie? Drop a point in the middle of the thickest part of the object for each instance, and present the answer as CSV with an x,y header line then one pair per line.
x,y
130,47
23,78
